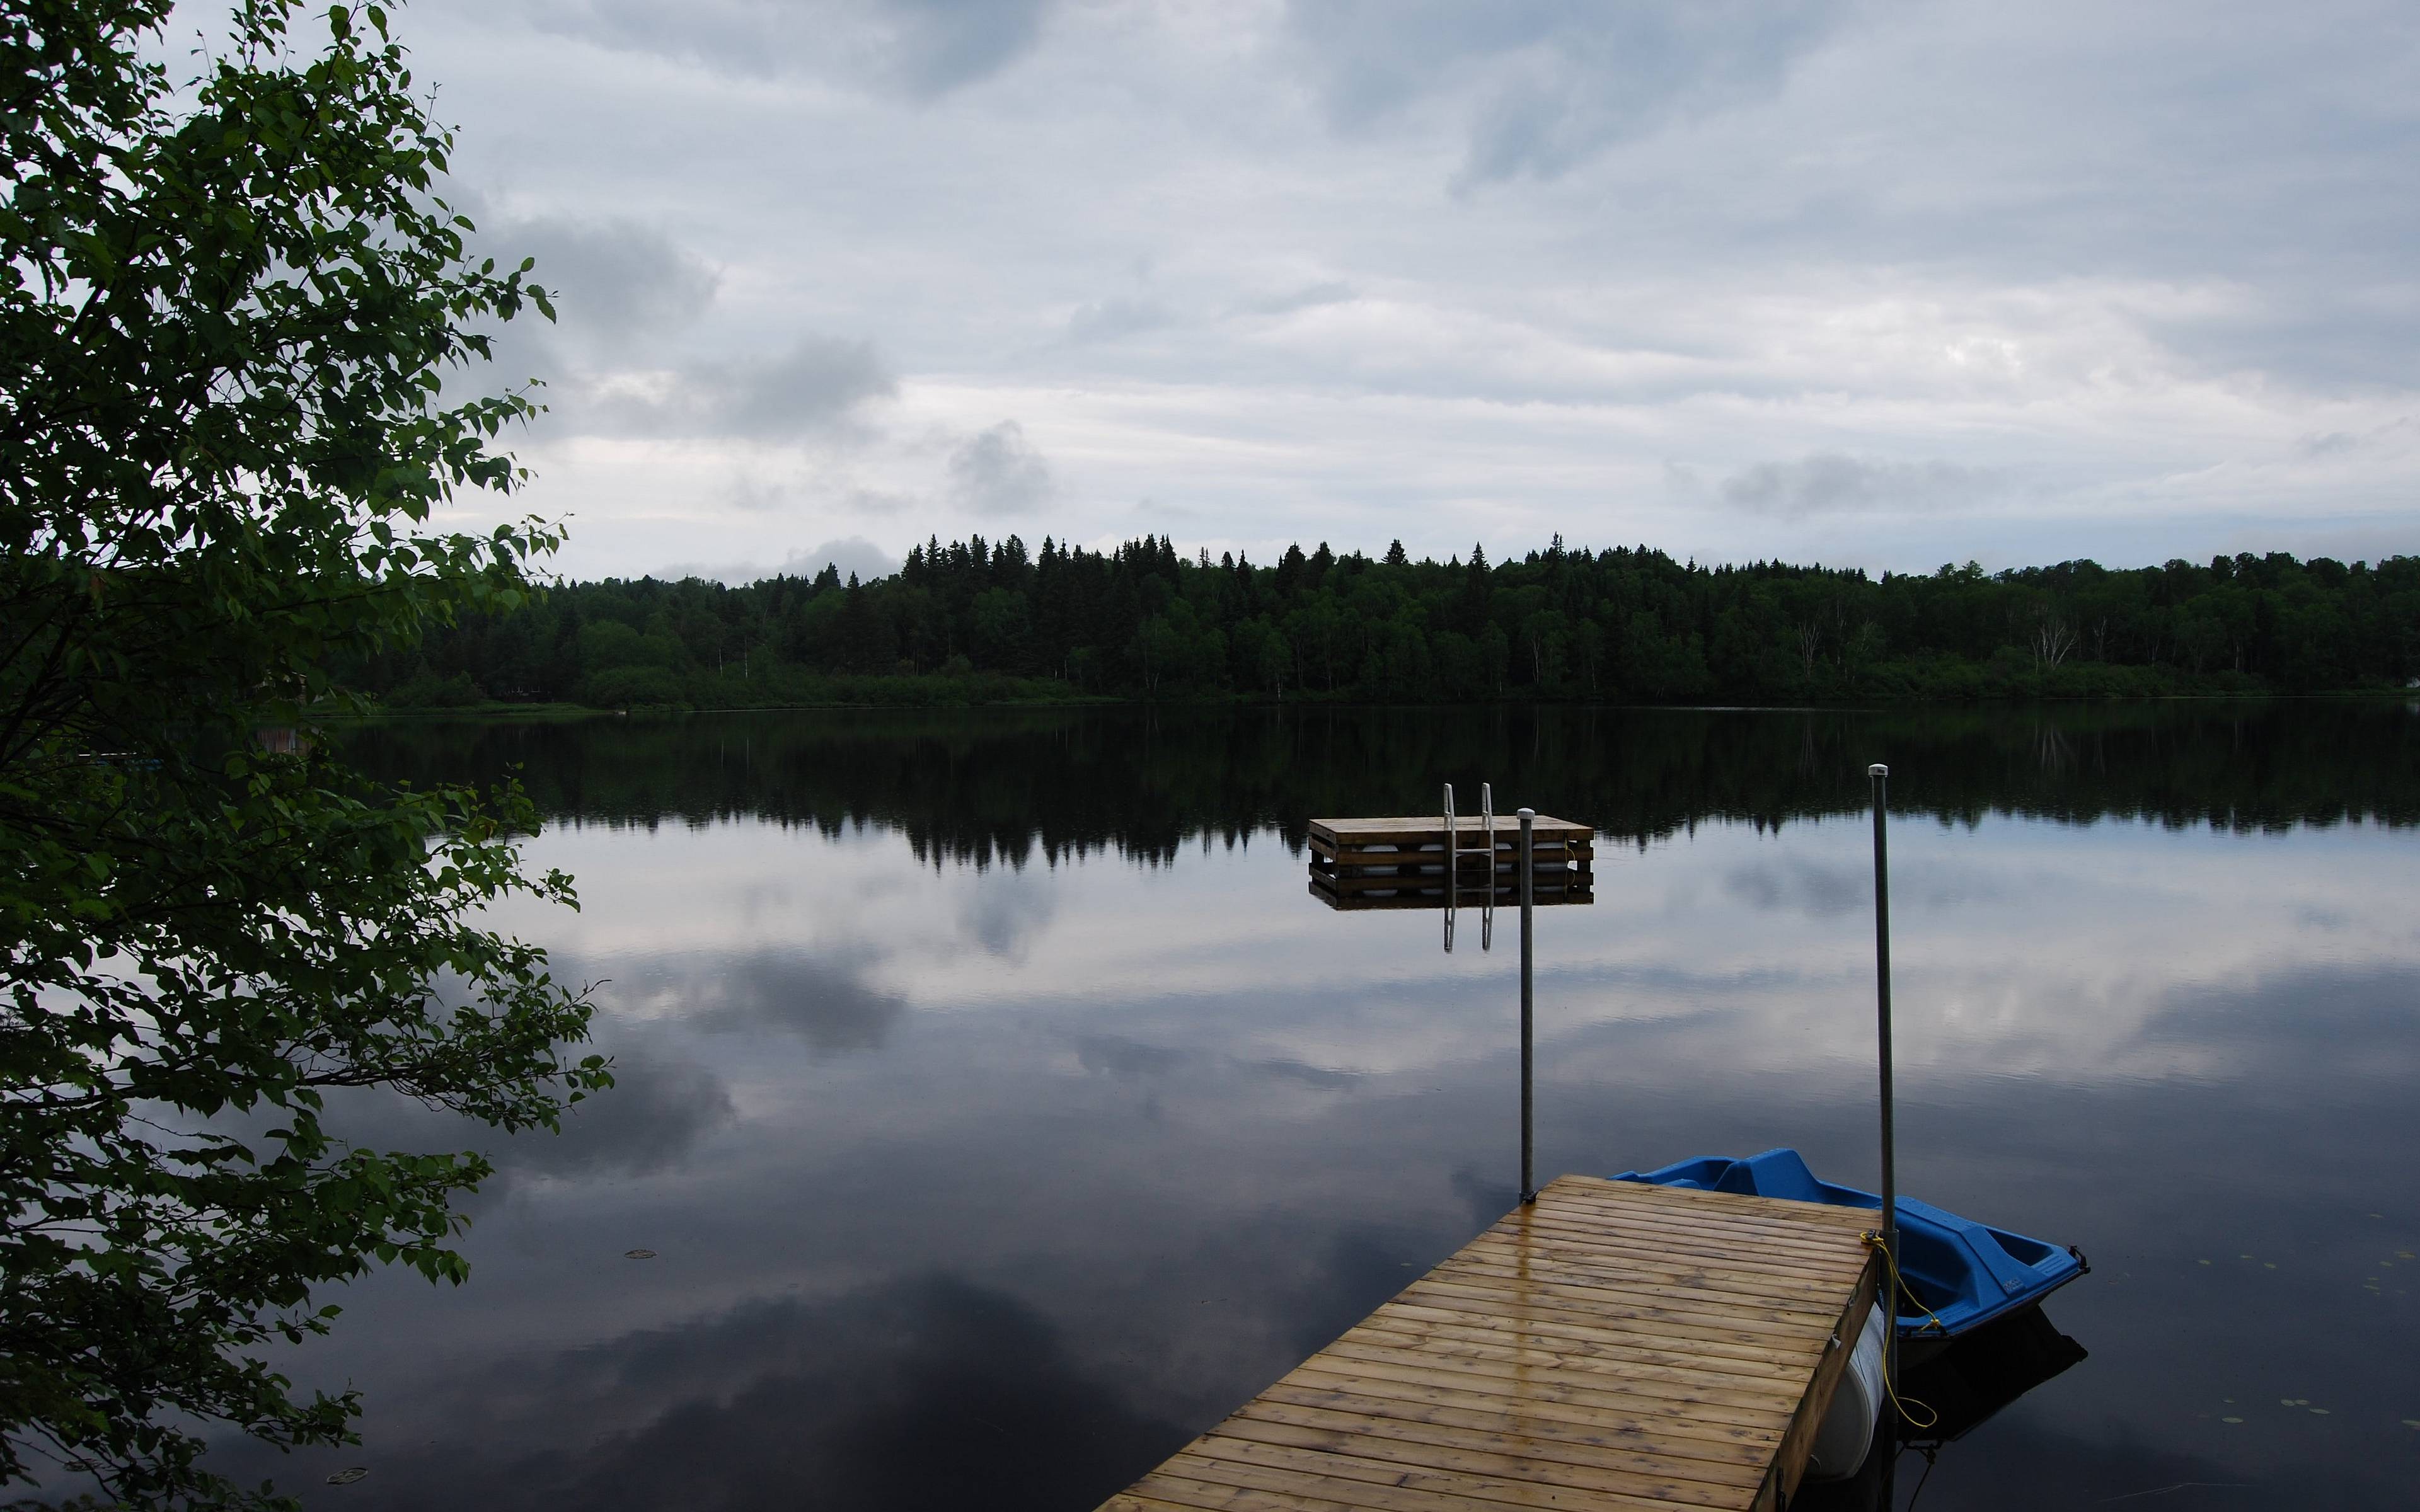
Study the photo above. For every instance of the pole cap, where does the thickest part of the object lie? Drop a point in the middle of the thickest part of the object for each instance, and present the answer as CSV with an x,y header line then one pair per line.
x,y
1878,770
1528,814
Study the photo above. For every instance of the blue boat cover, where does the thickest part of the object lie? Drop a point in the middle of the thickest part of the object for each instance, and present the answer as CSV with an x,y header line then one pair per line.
x,y
1954,1273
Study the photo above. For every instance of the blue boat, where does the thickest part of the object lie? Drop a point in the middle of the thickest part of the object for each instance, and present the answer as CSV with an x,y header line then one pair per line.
x,y
1955,1275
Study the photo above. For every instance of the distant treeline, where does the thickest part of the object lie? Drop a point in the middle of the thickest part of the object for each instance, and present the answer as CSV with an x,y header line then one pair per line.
x,y
977,620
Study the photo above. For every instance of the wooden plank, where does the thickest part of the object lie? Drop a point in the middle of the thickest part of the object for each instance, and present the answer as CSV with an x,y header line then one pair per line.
x,y
1193,1495
1724,1461
1433,901
1471,1364
1408,853
1615,1301
1657,1276
1644,1225
1548,1438
1517,1458
1394,1486
1431,825
1663,1433
1682,1254
1545,865
1791,1463
1472,887
1697,1209
1190,1495
1747,1239
1637,1358
1761,1262
1642,1321
1668,1275
1470,884
1613,1345
1431,858
1621,1365
1700,1207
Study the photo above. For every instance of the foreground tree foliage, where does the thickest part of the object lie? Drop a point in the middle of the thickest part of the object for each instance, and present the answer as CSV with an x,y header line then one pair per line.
x,y
224,312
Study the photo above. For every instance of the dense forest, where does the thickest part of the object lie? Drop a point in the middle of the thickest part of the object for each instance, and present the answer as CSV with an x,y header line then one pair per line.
x,y
976,621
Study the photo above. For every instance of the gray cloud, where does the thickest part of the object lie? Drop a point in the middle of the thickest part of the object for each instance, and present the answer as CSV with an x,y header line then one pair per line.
x,y
929,1390
822,997
1112,1056
814,389
1006,914
997,472
1833,483
2339,1027
614,280
807,388
920,48
1310,296
1799,887
616,284
849,554
1137,1060
653,1116
661,1105
2339,442
1820,891
622,291
937,45
1551,81
1108,320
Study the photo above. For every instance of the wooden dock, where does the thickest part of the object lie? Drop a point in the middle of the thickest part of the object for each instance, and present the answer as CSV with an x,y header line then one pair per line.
x,y
1407,860
1615,1345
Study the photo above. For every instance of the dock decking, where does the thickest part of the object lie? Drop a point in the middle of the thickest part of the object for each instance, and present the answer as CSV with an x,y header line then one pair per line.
x,y
1406,860
1615,1345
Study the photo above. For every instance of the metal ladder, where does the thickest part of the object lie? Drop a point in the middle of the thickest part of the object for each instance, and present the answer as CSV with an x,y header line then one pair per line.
x,y
1455,850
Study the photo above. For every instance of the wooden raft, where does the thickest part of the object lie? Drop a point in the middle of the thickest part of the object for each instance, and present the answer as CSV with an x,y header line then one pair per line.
x,y
1406,858
1616,1345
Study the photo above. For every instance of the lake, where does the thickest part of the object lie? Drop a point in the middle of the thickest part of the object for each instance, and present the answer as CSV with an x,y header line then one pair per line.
x,y
1001,1109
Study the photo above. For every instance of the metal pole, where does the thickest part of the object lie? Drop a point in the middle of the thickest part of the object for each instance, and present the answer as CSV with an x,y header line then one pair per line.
x,y
1880,776
1452,864
1487,899
1529,885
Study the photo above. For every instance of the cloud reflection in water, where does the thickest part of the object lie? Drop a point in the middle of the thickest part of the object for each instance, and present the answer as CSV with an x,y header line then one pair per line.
x,y
1091,1152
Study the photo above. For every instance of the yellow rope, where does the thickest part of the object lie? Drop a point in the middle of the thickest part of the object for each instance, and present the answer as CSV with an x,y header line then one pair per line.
x,y
1890,1319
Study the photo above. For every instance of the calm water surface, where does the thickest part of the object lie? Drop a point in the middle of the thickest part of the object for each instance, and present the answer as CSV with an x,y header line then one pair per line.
x,y
1003,1110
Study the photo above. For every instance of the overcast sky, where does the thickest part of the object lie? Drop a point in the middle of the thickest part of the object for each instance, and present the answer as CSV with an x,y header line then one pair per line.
x,y
1874,284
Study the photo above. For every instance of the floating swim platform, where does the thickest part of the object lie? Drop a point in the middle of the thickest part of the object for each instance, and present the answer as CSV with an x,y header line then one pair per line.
x,y
1415,860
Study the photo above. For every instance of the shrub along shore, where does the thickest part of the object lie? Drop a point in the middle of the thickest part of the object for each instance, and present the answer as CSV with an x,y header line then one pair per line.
x,y
976,621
